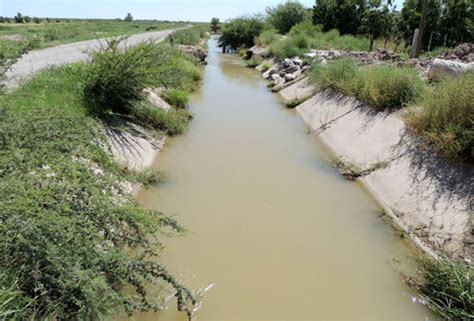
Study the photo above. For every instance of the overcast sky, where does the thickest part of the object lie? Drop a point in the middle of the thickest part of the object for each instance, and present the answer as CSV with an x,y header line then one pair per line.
x,y
193,10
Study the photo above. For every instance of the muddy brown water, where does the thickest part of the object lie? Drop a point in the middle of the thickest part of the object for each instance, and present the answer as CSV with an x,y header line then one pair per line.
x,y
274,228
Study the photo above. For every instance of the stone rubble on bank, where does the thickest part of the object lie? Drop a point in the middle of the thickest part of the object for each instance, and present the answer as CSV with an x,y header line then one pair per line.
x,y
286,71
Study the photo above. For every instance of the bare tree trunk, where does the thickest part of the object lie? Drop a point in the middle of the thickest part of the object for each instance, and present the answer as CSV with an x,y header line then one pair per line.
x,y
417,41
372,38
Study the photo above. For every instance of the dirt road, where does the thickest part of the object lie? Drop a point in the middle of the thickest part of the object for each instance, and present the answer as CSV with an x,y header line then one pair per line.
x,y
37,60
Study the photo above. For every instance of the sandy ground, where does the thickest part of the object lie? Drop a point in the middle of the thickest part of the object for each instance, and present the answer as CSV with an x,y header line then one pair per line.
x,y
426,195
37,60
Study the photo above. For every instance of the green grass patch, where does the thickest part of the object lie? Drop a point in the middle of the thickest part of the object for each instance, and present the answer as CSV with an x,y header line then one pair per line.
x,y
380,86
447,286
267,37
189,36
253,62
305,36
177,97
444,117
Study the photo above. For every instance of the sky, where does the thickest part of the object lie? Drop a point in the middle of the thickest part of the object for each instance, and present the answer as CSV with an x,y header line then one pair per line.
x,y
192,10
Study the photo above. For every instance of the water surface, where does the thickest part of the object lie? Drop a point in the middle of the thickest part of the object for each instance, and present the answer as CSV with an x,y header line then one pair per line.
x,y
277,231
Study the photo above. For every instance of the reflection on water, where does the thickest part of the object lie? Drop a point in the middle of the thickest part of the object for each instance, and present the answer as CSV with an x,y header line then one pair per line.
x,y
276,231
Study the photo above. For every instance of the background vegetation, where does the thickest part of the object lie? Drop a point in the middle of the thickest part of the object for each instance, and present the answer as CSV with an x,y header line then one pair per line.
x,y
51,32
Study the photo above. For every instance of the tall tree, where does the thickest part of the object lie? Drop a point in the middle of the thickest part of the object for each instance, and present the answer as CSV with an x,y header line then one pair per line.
x,y
215,24
343,15
286,15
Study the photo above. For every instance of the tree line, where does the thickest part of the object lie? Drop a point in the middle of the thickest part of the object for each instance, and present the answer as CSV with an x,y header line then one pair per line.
x,y
448,22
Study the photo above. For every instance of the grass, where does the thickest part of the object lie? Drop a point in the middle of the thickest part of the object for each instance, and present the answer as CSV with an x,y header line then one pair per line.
x,y
444,117
189,36
267,37
177,98
42,35
72,239
447,287
306,36
380,86
253,62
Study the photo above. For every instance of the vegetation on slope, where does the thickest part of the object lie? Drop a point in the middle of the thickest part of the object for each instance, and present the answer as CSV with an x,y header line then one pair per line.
x,y
446,286
444,117
75,245
380,86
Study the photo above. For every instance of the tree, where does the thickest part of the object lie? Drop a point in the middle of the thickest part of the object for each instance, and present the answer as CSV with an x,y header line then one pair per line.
x,y
410,17
457,22
215,24
343,15
19,18
286,15
241,32
377,22
128,18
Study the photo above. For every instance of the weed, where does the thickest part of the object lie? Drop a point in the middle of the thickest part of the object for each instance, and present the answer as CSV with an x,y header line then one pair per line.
x,y
444,117
176,97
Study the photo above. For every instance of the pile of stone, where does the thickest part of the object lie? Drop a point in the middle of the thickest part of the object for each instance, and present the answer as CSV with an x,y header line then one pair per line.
x,y
462,53
286,71
361,57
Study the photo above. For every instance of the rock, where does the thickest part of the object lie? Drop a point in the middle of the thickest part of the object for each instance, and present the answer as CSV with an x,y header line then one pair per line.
x,y
194,51
289,70
291,77
462,53
440,68
277,79
297,61
267,74
257,51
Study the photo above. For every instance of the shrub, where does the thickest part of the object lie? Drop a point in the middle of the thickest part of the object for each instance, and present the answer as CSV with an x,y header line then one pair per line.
x,y
241,32
286,15
266,37
444,117
177,98
291,46
117,78
447,287
387,86
337,75
254,62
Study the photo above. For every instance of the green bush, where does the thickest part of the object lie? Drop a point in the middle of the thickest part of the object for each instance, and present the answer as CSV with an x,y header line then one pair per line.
x,y
387,86
177,98
254,62
117,78
447,287
291,46
444,117
241,32
337,75
286,15
266,37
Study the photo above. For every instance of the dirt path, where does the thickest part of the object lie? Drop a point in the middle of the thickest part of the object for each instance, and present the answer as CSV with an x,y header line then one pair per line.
x,y
37,60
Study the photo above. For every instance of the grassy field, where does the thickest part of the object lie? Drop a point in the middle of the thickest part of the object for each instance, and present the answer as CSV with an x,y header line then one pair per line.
x,y
72,239
18,38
